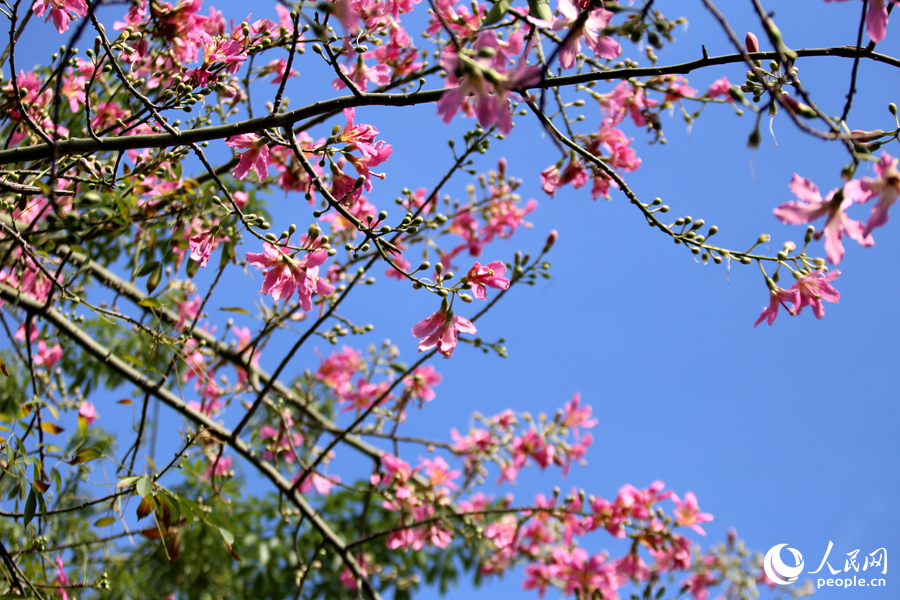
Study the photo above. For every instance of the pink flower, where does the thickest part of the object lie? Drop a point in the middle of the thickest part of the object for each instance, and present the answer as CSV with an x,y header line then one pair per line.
x,y
604,47
720,88
537,575
338,370
256,157
285,274
365,394
439,473
278,67
420,381
321,484
348,579
815,287
220,467
489,275
61,11
576,416
811,207
88,412
487,79
688,513
552,179
187,311
777,298
886,186
440,330
61,577
678,88
47,357
361,74
876,19
697,584
201,246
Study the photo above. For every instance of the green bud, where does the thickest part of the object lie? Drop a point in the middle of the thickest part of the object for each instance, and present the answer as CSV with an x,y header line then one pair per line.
x,y
755,139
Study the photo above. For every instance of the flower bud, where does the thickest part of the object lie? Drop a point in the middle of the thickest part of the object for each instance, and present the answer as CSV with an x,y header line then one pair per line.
x,y
751,42
858,135
755,139
551,239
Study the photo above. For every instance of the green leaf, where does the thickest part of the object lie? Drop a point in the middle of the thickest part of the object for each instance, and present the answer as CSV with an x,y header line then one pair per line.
x,y
84,455
132,359
191,268
497,12
154,279
193,508
229,540
144,486
105,521
540,9
146,268
126,481
227,536
30,507
150,303
235,309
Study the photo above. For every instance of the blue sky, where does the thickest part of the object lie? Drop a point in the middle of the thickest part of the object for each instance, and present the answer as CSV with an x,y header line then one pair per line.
x,y
786,433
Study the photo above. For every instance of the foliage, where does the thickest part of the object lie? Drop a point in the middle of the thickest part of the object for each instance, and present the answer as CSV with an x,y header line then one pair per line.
x,y
142,178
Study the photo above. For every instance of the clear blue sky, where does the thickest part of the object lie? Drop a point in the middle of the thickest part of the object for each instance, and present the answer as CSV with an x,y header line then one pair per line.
x,y
786,433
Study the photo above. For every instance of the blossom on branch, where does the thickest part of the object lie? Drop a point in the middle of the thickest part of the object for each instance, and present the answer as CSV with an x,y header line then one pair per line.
x,y
886,187
777,298
490,275
599,18
256,157
814,287
484,74
284,274
811,206
440,330
61,11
